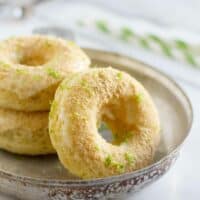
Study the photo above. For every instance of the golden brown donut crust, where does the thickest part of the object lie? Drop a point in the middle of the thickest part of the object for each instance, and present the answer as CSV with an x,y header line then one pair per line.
x,y
31,67
25,132
105,94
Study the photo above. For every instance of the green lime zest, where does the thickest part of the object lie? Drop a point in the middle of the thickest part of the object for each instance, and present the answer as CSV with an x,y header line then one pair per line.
x,y
97,148
129,158
21,71
139,97
102,26
108,161
37,77
119,75
53,109
85,85
64,86
4,65
120,167
53,73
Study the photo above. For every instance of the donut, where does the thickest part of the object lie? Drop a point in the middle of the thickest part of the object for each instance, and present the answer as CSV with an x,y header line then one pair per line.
x,y
25,132
31,67
111,96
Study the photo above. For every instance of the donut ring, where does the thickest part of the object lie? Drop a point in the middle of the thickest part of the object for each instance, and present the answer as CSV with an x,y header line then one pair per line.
x,y
31,68
25,132
117,99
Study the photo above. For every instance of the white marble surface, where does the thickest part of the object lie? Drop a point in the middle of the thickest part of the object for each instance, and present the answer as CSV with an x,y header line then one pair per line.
x,y
182,181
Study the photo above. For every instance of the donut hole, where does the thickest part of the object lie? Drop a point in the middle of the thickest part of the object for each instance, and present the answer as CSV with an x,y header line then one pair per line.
x,y
120,115
105,132
36,54
33,60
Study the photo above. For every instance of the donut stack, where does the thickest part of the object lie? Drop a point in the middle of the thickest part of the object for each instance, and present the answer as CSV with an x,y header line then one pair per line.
x,y
30,70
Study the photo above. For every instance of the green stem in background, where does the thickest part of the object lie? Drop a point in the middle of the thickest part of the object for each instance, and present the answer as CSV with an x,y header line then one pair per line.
x,y
181,44
52,72
126,33
144,43
189,58
102,26
164,46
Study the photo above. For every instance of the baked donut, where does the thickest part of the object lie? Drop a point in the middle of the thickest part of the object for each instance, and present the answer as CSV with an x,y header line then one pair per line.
x,y
31,67
25,132
115,98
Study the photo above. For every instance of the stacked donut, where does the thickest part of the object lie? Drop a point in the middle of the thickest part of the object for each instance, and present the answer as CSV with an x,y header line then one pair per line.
x,y
30,70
